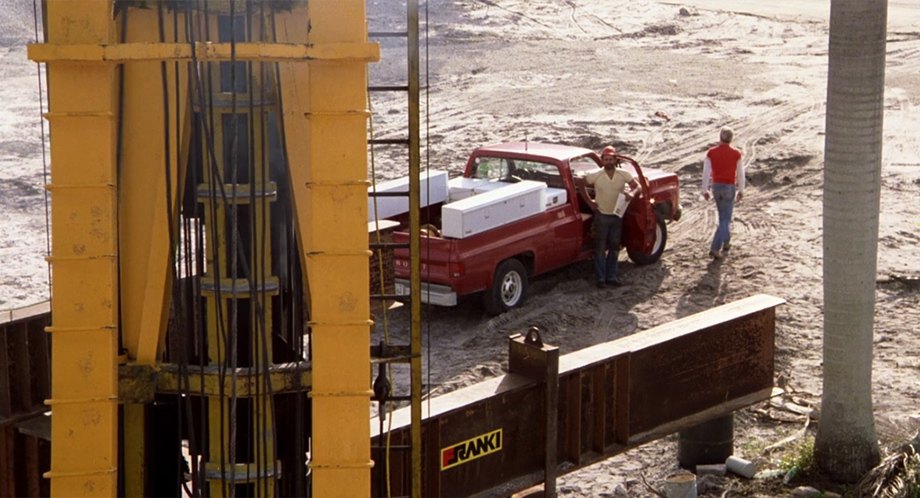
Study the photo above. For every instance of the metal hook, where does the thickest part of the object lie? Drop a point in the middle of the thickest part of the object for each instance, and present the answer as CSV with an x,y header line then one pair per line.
x,y
533,337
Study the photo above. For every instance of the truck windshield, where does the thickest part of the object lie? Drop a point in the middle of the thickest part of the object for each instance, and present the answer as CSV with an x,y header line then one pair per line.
x,y
515,170
493,168
583,164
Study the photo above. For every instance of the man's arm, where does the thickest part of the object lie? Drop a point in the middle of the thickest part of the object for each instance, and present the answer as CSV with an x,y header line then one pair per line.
x,y
581,185
739,178
707,177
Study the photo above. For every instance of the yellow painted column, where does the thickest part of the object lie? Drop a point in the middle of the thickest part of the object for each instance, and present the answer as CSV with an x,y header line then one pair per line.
x,y
83,256
144,238
326,134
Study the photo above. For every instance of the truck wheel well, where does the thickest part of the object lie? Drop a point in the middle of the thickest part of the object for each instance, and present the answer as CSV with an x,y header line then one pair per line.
x,y
526,258
664,210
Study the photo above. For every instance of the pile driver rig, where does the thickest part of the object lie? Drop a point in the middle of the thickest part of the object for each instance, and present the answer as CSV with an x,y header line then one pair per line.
x,y
210,248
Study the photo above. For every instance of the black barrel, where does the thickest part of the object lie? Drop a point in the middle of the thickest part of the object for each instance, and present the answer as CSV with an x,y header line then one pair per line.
x,y
707,443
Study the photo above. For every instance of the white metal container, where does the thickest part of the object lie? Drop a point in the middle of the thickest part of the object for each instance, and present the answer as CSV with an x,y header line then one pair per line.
x,y
553,197
492,209
433,187
460,188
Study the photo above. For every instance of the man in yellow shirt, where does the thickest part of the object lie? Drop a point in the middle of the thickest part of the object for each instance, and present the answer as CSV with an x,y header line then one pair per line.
x,y
609,183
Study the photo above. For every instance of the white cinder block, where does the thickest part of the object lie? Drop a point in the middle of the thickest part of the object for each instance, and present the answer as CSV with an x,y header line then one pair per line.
x,y
433,186
492,209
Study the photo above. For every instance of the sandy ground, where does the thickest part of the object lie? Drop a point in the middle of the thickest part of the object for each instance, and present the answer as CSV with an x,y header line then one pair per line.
x,y
657,80
23,273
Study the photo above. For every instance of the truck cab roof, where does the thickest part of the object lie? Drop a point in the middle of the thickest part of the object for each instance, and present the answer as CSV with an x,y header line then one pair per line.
x,y
536,149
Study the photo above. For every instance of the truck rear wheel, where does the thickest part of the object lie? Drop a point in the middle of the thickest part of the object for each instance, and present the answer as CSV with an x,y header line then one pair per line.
x,y
661,238
509,287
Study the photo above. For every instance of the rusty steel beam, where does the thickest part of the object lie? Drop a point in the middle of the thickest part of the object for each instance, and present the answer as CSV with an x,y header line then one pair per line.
x,y
24,363
490,438
612,397
529,356
140,383
24,385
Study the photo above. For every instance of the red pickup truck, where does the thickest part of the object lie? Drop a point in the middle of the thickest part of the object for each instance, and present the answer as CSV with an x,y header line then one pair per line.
x,y
517,213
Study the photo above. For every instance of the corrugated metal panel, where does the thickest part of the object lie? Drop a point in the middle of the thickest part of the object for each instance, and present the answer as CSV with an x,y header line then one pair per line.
x,y
25,449
611,397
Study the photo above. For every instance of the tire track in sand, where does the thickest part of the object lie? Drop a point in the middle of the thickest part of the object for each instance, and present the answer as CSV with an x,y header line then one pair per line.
x,y
792,121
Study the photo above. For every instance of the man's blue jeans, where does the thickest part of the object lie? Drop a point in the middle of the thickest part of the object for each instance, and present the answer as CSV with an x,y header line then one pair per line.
x,y
724,195
607,228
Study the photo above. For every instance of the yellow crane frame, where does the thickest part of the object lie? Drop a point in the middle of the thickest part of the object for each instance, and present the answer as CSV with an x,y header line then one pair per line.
x,y
111,228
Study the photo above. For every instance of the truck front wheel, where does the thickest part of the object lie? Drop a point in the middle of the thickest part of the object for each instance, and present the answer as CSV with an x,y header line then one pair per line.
x,y
509,287
661,238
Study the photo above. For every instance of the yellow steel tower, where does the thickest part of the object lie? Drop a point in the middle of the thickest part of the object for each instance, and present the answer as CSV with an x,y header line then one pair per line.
x,y
325,118
195,143
84,254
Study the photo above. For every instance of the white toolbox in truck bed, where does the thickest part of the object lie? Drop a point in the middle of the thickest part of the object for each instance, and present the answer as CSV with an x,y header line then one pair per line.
x,y
554,197
492,209
461,187
433,189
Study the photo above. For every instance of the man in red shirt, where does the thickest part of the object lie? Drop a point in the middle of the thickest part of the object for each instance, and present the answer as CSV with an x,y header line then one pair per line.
x,y
723,173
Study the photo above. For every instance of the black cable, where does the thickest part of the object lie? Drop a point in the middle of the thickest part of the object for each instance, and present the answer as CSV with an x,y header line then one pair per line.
x,y
188,320
238,260
197,452
254,280
119,162
257,322
41,124
184,318
167,159
427,166
233,245
194,269
256,167
215,184
296,283
269,405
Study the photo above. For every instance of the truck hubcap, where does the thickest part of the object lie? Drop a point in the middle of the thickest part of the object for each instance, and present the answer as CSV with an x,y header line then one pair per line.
x,y
657,245
511,288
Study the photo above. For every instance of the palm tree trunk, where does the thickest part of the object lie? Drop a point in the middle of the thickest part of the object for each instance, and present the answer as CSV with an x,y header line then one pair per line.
x,y
846,446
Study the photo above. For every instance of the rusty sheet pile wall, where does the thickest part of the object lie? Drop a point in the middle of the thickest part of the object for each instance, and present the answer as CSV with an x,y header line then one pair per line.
x,y
493,437
25,373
